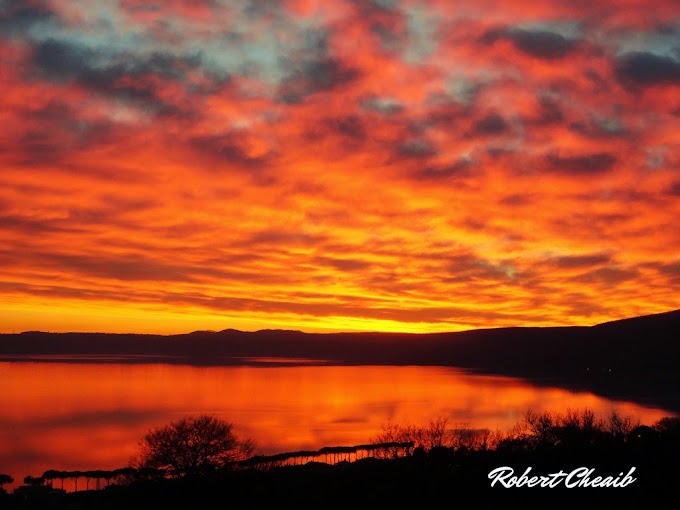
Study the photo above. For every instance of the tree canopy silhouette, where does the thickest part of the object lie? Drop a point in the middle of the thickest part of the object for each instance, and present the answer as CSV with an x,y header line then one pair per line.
x,y
193,444
5,479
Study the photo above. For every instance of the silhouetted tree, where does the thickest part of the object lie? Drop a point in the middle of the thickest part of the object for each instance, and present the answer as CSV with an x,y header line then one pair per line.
x,y
88,475
668,425
5,480
75,475
62,475
150,473
96,475
620,426
537,428
34,481
433,434
50,475
643,437
124,475
192,444
107,475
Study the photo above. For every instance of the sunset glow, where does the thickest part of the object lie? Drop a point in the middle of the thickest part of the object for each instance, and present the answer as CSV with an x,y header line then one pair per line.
x,y
386,165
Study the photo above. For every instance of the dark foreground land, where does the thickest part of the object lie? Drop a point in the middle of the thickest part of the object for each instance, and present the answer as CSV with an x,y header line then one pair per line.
x,y
441,477
439,480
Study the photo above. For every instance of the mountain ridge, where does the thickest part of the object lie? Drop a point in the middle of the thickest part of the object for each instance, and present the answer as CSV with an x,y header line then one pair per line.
x,y
670,313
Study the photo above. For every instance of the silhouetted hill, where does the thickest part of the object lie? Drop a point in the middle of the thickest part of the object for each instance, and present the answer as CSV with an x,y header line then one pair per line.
x,y
635,358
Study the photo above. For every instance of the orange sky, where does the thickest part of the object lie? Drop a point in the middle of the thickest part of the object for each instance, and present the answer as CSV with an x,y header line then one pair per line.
x,y
375,165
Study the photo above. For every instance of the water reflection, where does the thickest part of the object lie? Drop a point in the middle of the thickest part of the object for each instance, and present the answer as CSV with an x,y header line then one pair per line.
x,y
85,416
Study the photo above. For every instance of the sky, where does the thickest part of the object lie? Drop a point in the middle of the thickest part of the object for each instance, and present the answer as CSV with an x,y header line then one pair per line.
x,y
337,165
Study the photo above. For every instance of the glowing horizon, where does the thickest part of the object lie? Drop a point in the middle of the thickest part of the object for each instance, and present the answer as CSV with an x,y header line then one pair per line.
x,y
412,166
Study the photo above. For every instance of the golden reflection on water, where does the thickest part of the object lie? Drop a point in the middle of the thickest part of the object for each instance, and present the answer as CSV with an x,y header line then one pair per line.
x,y
80,416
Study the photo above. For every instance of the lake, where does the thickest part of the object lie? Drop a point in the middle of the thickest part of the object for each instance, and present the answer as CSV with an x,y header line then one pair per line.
x,y
86,415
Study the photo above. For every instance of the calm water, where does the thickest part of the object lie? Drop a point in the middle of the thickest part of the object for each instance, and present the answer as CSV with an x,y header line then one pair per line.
x,y
84,416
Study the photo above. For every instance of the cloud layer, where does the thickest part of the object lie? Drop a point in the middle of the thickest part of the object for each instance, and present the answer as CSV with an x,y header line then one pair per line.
x,y
340,165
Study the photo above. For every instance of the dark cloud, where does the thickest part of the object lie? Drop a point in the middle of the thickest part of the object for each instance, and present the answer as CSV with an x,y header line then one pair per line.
x,y
110,214
126,267
497,152
492,124
127,204
594,226
135,268
645,69
334,134
445,114
474,224
517,200
165,65
600,127
54,111
56,129
18,16
38,147
376,7
391,35
607,276
385,20
580,261
588,164
671,271
468,267
542,44
284,238
35,226
317,75
416,149
674,189
549,112
346,265
55,291
255,10
350,126
580,304
599,83
459,168
228,148
65,61
103,72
